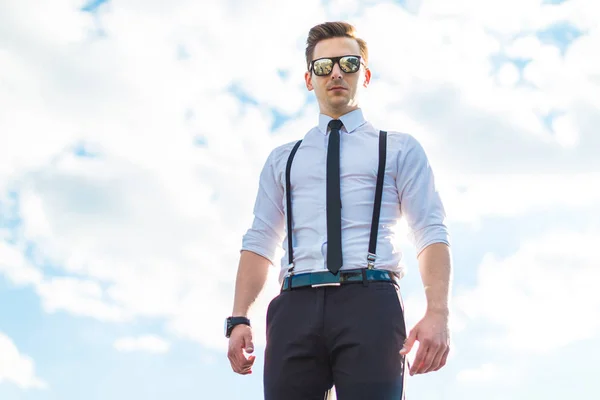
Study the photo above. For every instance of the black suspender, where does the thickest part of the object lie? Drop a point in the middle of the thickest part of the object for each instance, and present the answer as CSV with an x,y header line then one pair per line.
x,y
377,206
289,204
372,255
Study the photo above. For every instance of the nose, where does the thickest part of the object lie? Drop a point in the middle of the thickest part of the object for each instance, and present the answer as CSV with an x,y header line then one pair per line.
x,y
336,72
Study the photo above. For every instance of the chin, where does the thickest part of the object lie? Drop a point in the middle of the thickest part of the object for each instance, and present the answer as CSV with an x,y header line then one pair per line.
x,y
343,103
340,99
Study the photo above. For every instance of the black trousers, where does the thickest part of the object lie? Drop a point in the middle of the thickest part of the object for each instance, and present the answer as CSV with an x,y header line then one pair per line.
x,y
348,336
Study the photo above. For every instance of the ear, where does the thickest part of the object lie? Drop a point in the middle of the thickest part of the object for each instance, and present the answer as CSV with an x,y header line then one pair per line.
x,y
308,79
367,77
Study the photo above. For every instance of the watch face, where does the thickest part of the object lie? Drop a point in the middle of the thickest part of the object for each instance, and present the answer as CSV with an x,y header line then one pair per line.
x,y
226,325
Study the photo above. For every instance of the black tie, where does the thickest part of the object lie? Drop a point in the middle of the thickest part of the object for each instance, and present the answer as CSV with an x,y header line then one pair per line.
x,y
334,202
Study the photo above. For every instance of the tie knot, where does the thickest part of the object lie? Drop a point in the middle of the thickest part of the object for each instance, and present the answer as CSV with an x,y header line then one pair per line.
x,y
335,124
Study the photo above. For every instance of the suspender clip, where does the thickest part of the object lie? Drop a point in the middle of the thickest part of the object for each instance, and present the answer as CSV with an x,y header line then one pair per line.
x,y
371,260
291,269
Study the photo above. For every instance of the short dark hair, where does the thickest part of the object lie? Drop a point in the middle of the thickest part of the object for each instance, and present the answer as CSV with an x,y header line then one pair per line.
x,y
329,30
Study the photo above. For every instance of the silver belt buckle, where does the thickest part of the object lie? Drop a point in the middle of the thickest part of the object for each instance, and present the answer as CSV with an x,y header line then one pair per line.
x,y
325,284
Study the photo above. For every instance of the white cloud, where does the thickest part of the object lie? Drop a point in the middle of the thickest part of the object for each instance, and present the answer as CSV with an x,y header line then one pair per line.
x,y
146,343
16,268
525,47
470,117
483,374
584,14
488,373
78,297
566,131
508,75
468,198
553,276
17,368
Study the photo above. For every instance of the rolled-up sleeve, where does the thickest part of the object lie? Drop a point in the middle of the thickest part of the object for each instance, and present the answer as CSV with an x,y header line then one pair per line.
x,y
420,201
267,230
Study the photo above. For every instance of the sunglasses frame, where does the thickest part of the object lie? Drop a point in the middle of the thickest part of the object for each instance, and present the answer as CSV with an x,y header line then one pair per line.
x,y
335,60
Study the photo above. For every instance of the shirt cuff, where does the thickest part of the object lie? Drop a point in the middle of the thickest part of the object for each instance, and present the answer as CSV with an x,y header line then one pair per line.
x,y
256,245
429,235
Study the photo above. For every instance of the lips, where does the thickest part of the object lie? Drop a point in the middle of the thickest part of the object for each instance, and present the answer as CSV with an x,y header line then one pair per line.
x,y
337,88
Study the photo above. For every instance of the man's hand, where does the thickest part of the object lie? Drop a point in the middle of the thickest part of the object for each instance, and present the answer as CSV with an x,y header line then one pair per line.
x,y
240,341
432,332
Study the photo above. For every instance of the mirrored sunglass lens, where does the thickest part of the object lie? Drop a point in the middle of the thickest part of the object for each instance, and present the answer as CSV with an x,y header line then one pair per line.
x,y
350,64
322,67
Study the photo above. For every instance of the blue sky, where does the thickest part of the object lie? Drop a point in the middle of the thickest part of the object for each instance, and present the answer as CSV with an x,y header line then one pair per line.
x,y
131,139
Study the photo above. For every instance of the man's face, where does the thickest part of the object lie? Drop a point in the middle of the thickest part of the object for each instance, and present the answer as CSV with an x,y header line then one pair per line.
x,y
337,93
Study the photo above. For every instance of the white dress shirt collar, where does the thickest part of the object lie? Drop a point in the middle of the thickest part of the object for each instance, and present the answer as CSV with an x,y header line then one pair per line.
x,y
352,121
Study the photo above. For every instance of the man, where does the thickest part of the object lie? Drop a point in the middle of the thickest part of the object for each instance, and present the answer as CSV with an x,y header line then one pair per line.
x,y
336,196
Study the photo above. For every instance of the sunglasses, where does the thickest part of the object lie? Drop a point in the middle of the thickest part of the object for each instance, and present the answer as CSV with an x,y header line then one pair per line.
x,y
324,66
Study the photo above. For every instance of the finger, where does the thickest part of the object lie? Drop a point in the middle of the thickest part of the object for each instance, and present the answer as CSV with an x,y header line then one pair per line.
x,y
409,342
236,356
443,359
231,354
432,352
234,360
419,358
248,362
248,344
247,368
248,347
436,358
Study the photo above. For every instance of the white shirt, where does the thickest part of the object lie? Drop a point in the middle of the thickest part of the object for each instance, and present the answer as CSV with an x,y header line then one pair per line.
x,y
409,191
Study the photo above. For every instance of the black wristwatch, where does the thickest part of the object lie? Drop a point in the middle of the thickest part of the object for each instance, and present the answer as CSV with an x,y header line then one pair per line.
x,y
231,322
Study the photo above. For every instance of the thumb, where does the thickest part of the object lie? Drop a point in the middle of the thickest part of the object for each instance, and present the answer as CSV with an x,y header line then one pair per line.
x,y
409,342
248,345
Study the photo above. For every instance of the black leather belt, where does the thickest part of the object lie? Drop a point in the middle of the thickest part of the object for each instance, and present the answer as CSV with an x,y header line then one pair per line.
x,y
326,278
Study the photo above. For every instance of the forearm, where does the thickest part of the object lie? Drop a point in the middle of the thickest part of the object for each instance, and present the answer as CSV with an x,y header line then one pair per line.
x,y
250,281
435,265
